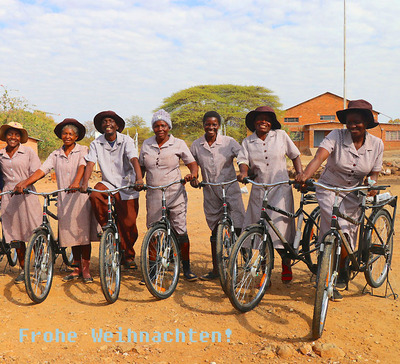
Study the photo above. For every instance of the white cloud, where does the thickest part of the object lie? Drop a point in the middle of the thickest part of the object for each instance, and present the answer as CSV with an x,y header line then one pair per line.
x,y
78,57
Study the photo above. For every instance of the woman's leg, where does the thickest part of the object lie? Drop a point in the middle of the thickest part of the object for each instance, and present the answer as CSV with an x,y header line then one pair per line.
x,y
86,251
184,245
76,252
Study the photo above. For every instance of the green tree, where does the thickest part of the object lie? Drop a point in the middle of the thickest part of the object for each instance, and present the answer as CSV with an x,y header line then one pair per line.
x,y
395,121
137,124
232,102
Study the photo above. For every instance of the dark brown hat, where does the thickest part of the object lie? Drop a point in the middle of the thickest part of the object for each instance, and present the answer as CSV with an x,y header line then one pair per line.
x,y
98,119
251,116
362,106
69,121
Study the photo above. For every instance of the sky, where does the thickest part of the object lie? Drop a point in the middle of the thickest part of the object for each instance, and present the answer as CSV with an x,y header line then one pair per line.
x,y
75,58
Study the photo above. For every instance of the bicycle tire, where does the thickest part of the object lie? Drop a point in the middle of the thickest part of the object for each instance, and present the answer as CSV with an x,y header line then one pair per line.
x,y
324,290
249,269
38,268
160,261
67,256
309,240
225,242
379,255
110,265
12,256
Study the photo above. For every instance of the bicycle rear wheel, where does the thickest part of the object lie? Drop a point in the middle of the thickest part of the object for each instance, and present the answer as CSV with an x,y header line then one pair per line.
x,y
309,242
160,261
110,265
249,269
38,269
325,286
225,241
67,256
380,251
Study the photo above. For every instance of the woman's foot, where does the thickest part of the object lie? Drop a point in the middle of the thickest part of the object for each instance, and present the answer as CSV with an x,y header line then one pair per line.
x,y
20,279
190,276
210,276
71,277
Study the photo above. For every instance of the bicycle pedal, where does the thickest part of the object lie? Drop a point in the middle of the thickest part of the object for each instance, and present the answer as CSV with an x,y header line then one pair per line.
x,y
378,249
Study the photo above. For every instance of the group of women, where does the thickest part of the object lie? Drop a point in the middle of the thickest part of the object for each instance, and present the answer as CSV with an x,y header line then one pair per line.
x,y
352,154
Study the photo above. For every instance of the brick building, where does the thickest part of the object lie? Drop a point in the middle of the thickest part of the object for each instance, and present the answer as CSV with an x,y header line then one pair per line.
x,y
310,121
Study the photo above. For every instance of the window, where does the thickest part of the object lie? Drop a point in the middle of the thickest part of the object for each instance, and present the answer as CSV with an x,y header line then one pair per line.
x,y
291,120
297,136
393,135
327,117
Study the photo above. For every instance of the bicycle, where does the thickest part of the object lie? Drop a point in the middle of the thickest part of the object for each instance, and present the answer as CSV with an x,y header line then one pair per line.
x,y
226,236
42,251
110,253
160,254
374,253
251,261
7,249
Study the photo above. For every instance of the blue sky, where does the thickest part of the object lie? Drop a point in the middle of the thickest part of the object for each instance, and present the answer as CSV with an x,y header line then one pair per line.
x,y
78,57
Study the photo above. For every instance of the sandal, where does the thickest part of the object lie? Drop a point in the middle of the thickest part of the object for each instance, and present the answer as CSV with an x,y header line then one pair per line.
x,y
209,276
71,277
190,276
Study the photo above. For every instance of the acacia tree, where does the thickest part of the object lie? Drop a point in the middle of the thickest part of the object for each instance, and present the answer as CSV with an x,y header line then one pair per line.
x,y
232,102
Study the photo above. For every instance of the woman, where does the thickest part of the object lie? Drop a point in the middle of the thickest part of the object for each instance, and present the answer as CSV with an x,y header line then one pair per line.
x,y
76,224
159,158
21,214
264,154
352,154
215,153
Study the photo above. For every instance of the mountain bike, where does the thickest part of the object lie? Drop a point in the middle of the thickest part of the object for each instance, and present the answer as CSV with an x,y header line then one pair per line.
x,y
160,254
375,246
226,236
42,251
251,260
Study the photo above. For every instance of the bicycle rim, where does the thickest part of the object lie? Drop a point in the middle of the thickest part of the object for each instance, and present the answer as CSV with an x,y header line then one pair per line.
x,y
225,241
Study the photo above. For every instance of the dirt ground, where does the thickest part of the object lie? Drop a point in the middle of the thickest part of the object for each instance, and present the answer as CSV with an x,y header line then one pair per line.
x,y
197,324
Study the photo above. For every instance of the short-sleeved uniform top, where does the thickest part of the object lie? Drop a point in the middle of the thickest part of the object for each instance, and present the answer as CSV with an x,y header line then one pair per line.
x,y
114,161
21,214
346,167
267,160
216,163
162,167
76,222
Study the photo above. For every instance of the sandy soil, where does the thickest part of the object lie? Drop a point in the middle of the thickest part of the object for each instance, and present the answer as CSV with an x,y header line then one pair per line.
x,y
362,328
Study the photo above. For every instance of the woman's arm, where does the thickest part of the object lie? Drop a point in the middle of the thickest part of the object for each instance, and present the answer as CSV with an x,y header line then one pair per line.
x,y
138,172
79,174
86,175
321,156
37,175
297,165
243,172
194,171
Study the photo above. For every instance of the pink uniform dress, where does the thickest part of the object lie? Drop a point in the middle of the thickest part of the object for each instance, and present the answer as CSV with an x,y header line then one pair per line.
x,y
76,222
267,160
21,214
216,163
346,167
162,167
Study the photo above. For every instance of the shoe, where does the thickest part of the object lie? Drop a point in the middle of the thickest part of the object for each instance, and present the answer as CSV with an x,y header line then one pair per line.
x,y
87,280
142,282
341,285
337,297
209,276
130,264
71,277
190,276
287,274
342,282
20,279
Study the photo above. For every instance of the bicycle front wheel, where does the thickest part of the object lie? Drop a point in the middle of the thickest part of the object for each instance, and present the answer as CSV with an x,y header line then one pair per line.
x,y
12,257
110,265
38,268
249,269
225,241
380,251
160,261
309,242
325,286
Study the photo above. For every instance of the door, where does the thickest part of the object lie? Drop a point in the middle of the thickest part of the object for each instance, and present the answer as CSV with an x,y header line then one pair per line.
x,y
319,136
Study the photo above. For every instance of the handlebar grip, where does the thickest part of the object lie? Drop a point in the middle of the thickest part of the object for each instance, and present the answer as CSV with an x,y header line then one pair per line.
x,y
378,188
310,182
182,181
201,184
25,190
246,180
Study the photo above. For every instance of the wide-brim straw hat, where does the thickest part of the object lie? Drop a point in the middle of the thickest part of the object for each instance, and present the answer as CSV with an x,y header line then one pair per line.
x,y
108,114
13,125
251,116
361,106
69,121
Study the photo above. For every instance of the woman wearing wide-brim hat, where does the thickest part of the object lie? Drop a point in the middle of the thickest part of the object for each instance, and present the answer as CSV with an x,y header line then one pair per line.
x,y
263,154
76,223
20,213
352,154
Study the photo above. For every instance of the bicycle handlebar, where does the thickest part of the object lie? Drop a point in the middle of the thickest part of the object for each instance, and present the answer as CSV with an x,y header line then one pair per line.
x,y
53,193
182,181
204,183
266,185
311,182
89,189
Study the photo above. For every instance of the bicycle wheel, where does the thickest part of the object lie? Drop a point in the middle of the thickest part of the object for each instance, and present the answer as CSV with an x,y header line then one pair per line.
x,y
325,285
160,261
110,265
380,251
67,256
12,257
249,269
38,267
225,241
309,241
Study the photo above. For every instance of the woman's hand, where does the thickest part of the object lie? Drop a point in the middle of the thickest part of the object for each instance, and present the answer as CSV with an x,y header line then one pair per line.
x,y
189,177
84,187
194,182
241,176
138,184
19,188
73,187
